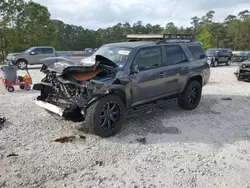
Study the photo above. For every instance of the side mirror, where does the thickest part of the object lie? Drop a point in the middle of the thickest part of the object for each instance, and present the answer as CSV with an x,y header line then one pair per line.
x,y
32,53
135,69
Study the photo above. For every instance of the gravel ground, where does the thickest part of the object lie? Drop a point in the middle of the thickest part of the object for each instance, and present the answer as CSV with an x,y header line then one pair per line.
x,y
169,147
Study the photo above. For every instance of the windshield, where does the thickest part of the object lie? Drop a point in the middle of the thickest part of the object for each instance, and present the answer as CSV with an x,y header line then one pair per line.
x,y
28,50
118,55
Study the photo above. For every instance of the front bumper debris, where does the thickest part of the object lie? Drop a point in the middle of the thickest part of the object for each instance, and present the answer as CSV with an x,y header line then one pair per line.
x,y
243,74
50,107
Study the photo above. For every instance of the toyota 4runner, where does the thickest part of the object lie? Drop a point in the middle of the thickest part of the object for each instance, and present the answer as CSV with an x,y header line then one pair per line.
x,y
123,78
217,56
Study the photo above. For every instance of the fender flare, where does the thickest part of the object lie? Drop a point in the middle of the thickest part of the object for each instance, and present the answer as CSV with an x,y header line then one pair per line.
x,y
121,90
192,77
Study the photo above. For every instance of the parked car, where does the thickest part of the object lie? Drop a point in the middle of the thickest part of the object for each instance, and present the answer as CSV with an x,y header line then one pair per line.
x,y
30,56
124,78
33,55
243,71
218,56
241,56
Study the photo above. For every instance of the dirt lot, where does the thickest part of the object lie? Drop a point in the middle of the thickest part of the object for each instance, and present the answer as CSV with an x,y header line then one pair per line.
x,y
207,147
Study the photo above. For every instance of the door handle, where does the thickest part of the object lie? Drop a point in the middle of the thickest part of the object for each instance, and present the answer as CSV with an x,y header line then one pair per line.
x,y
186,69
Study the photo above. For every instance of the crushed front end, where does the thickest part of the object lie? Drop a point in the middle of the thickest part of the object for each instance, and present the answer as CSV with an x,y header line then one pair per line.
x,y
243,72
62,97
68,89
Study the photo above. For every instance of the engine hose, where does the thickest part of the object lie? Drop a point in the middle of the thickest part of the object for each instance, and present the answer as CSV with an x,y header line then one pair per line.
x,y
2,120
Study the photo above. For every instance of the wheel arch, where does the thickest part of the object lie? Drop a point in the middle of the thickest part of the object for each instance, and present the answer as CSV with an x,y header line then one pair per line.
x,y
124,94
119,90
198,78
21,59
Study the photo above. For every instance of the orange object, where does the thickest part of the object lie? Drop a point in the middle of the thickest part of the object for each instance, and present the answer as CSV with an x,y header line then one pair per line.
x,y
4,81
87,76
27,79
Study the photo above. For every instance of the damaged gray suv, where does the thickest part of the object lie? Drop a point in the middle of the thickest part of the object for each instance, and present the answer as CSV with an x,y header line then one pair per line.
x,y
123,78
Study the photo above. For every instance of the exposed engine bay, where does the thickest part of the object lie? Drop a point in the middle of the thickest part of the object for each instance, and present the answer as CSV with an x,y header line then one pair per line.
x,y
73,87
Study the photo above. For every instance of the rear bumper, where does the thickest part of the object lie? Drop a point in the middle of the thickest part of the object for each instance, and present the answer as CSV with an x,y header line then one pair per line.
x,y
50,107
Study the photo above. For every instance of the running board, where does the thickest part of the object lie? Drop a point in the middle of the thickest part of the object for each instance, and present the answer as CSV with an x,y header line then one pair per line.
x,y
50,107
148,106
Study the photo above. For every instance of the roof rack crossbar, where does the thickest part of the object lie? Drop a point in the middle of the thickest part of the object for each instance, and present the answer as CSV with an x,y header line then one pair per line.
x,y
161,37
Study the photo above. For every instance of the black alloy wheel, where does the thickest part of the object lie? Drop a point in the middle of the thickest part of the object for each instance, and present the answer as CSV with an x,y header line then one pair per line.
x,y
193,95
110,115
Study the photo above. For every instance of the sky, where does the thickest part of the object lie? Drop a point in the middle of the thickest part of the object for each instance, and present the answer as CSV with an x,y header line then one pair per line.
x,y
94,14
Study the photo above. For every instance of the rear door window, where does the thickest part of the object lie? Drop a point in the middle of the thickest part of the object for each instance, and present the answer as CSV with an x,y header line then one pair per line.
x,y
148,58
47,51
175,54
196,50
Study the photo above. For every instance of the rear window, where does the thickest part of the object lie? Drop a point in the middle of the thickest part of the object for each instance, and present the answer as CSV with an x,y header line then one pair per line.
x,y
196,50
174,54
47,51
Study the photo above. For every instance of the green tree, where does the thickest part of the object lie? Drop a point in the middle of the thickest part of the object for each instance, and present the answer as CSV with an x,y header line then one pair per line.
x,y
37,26
230,18
206,37
244,14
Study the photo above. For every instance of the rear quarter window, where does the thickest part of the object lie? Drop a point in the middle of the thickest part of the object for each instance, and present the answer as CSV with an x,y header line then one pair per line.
x,y
196,50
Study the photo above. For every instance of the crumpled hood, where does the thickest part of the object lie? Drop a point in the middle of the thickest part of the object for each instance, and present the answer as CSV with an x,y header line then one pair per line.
x,y
62,64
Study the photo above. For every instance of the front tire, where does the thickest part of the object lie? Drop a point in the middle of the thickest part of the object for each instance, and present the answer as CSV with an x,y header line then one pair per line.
x,y
105,116
22,64
191,96
215,64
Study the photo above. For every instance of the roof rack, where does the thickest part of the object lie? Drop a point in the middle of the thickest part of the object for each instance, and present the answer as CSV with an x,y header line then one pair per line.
x,y
162,37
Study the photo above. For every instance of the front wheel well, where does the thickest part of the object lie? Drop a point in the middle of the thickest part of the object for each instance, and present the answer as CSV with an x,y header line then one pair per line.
x,y
21,59
120,94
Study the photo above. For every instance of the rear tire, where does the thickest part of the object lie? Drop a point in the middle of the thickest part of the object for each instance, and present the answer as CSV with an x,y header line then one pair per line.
x,y
228,62
191,96
215,64
105,116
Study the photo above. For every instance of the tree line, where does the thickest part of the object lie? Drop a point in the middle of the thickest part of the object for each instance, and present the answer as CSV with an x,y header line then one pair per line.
x,y
25,24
